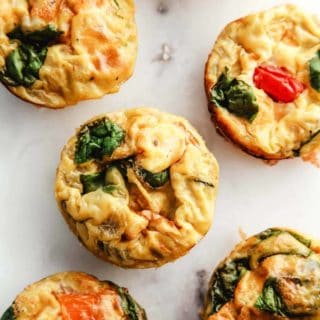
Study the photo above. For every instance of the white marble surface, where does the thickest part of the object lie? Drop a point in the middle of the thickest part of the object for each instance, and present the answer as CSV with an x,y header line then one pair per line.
x,y
34,240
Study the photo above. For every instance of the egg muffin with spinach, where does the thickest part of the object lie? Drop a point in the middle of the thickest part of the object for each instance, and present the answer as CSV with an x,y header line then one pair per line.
x,y
74,296
137,187
54,53
262,81
272,275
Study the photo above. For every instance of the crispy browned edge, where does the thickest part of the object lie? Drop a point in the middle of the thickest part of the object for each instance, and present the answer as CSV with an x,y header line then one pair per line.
x,y
224,128
66,105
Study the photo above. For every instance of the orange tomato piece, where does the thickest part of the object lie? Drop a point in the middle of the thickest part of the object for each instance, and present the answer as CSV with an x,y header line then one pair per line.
x,y
76,306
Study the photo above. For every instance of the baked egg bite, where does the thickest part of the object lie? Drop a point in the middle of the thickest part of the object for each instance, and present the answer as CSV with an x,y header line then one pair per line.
x,y
262,81
74,296
137,187
272,275
55,53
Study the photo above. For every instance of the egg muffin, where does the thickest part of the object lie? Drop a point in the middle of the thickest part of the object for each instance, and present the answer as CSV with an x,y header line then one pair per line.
x,y
54,53
272,275
137,187
262,81
74,296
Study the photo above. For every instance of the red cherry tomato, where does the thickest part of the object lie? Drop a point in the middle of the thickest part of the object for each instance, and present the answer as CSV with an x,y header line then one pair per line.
x,y
278,83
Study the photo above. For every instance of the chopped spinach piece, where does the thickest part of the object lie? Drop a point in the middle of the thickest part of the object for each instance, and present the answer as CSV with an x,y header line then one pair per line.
x,y
9,314
236,96
312,136
93,182
116,2
225,281
274,232
123,165
207,184
303,240
314,72
23,64
97,140
36,38
155,180
270,300
268,233
129,306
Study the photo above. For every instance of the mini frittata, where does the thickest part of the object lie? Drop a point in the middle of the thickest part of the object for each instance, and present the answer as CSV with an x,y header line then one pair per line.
x,y
137,187
272,275
74,296
55,53
262,81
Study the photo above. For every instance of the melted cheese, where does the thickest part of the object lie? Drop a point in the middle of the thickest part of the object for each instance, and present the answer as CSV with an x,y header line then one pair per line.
x,y
96,54
151,226
283,36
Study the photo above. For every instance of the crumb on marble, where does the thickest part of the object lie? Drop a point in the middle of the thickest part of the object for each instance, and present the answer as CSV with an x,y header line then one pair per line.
x,y
163,8
166,53
242,234
202,276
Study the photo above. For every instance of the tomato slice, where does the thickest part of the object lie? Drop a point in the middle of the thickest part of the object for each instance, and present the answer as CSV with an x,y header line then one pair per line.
x,y
278,83
76,306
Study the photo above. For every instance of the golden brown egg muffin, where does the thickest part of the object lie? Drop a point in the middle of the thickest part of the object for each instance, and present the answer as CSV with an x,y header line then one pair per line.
x,y
74,296
137,187
262,81
272,275
54,53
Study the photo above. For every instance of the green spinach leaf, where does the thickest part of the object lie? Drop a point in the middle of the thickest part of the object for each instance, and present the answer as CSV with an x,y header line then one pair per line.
x,y
129,306
39,38
93,182
314,72
268,233
9,314
225,281
274,232
236,96
271,300
23,64
116,2
155,180
312,136
98,140
205,183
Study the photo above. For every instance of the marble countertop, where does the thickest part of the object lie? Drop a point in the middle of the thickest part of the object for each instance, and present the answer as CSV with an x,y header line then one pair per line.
x,y
175,39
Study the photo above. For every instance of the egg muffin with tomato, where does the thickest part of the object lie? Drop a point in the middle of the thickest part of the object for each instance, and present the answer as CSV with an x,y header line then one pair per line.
x,y
74,296
262,81
55,53
272,275
137,187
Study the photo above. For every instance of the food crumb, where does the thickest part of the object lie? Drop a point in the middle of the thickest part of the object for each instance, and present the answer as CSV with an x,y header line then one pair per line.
x,y
166,53
242,234
163,8
201,287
